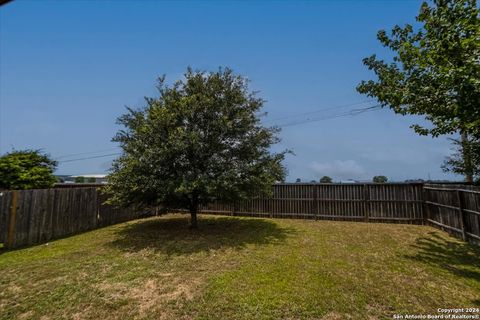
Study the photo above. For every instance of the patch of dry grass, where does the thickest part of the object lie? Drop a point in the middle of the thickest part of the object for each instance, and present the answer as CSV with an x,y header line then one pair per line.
x,y
240,268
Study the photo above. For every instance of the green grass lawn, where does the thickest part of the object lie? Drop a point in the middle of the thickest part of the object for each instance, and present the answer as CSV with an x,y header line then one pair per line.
x,y
240,268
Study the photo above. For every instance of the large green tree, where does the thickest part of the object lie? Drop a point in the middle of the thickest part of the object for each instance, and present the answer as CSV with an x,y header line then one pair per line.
x,y
435,70
26,169
200,140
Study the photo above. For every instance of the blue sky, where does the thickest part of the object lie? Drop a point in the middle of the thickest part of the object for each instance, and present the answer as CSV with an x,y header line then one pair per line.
x,y
69,68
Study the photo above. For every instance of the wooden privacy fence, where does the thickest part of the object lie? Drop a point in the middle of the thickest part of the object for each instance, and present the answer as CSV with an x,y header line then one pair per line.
x,y
33,216
358,202
455,209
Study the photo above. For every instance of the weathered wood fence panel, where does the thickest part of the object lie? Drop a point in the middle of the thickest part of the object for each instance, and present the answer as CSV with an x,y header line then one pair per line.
x,y
34,216
357,202
455,209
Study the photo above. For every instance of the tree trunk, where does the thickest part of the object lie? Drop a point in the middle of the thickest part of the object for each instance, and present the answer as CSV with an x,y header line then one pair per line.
x,y
467,157
193,213
193,219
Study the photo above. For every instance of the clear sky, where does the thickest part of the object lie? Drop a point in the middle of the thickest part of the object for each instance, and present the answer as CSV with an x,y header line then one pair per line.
x,y
69,68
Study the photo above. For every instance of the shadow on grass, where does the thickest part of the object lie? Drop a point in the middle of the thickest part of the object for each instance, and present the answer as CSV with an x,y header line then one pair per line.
x,y
459,258
172,236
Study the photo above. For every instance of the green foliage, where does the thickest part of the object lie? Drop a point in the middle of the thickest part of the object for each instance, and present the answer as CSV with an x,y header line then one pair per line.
x,y
325,179
466,149
91,180
200,139
79,179
380,179
26,169
435,71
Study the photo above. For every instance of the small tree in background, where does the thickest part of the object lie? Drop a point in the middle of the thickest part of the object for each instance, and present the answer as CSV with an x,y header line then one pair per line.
x,y
298,180
380,179
456,162
27,169
325,179
79,179
200,140
91,180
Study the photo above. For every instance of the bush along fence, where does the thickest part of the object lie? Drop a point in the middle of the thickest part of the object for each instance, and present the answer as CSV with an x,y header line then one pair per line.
x,y
36,216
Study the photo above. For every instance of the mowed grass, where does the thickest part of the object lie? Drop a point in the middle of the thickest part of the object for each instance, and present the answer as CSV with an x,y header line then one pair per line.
x,y
240,268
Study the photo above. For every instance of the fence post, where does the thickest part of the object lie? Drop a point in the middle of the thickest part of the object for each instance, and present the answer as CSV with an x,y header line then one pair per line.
x,y
315,199
366,207
12,220
425,206
462,214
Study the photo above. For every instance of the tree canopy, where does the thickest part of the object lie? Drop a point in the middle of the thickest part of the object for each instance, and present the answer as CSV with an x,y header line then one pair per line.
x,y
200,140
26,169
435,71
325,179
80,179
380,179
455,163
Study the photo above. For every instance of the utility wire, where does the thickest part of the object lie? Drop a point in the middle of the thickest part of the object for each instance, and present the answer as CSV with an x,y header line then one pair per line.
x,y
84,153
94,157
352,112
320,110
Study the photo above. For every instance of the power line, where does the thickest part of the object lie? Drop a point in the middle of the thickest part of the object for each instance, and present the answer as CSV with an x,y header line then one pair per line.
x,y
352,112
321,110
84,153
94,157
